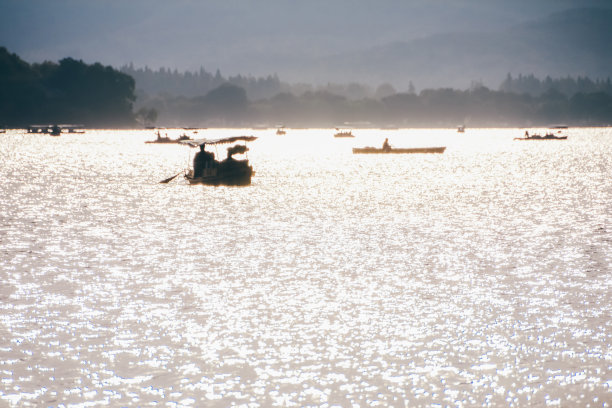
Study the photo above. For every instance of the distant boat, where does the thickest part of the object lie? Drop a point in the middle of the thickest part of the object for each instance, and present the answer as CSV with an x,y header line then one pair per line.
x,y
55,130
394,150
73,128
547,136
281,131
166,139
461,129
343,133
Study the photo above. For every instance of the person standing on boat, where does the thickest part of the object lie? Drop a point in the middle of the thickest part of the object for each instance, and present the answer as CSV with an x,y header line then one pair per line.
x,y
202,160
386,146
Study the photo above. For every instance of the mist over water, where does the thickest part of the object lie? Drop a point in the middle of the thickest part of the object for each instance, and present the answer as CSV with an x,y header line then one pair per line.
x,y
476,277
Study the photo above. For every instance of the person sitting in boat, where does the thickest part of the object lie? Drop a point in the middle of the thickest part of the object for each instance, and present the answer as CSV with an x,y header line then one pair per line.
x,y
202,160
386,146
526,134
237,149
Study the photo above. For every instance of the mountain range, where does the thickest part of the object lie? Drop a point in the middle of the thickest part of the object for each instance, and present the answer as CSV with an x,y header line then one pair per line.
x,y
574,43
441,43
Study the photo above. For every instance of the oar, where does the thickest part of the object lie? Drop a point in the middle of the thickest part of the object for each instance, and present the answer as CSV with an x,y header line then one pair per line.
x,y
169,179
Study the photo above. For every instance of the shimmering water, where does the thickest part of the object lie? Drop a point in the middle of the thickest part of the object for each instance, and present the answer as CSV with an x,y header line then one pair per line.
x,y
479,277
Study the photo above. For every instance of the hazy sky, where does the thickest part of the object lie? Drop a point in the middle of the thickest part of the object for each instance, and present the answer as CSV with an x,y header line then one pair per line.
x,y
243,36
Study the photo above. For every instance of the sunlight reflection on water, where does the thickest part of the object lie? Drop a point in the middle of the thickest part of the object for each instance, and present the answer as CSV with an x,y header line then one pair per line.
x,y
477,277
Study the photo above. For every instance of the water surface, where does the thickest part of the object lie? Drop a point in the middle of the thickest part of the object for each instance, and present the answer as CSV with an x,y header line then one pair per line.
x,y
477,277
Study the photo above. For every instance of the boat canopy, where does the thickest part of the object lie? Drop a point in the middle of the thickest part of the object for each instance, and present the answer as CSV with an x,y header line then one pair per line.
x,y
222,140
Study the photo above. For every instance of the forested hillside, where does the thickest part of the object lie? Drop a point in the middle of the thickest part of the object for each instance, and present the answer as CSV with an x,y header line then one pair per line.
x,y
66,92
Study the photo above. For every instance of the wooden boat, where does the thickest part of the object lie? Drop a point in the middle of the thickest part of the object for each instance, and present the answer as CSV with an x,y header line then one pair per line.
x,y
393,150
165,139
461,129
228,172
281,131
548,136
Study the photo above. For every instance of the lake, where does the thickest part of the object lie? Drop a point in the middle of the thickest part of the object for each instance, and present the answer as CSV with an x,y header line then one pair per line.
x,y
477,277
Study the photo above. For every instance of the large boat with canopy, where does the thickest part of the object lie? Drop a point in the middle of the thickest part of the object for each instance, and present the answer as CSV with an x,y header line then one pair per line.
x,y
229,172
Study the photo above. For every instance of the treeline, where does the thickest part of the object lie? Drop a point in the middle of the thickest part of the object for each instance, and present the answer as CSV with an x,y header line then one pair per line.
x,y
66,92
568,86
99,96
165,81
192,84
204,99
228,105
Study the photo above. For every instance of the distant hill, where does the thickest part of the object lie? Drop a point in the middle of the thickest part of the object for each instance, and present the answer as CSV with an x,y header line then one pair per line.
x,y
575,42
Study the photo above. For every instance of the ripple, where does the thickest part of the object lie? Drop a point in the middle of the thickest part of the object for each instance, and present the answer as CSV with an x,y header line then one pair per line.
x,y
477,277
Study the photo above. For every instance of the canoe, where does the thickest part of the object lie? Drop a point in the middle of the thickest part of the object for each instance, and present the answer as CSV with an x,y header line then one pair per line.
x,y
168,140
537,137
399,150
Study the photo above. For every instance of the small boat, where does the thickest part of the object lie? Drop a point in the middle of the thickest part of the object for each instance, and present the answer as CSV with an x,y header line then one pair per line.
x,y
343,133
228,172
71,128
461,129
166,139
547,136
55,130
281,131
395,150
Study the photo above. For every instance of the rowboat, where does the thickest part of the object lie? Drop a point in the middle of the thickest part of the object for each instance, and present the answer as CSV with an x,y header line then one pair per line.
x,y
166,139
393,150
548,136
229,172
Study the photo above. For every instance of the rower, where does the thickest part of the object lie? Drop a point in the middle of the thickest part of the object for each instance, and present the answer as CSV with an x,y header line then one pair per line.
x,y
386,146
202,160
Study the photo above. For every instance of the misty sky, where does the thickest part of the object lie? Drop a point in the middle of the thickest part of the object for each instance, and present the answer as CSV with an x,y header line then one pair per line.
x,y
240,36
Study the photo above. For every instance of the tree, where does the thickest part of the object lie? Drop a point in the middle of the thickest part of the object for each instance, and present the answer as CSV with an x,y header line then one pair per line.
x,y
70,91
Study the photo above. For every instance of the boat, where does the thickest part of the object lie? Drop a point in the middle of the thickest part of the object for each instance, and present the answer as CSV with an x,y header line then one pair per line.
x,y
228,172
395,150
166,139
80,129
281,131
547,136
343,133
55,130
461,129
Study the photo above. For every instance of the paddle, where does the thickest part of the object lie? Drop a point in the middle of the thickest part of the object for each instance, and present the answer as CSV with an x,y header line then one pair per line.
x,y
169,179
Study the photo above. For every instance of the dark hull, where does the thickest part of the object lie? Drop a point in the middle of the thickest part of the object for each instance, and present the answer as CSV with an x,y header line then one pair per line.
x,y
542,138
166,141
236,173
375,150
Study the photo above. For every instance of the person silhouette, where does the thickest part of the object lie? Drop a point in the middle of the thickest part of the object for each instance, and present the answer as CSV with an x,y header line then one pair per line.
x,y
386,146
202,160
